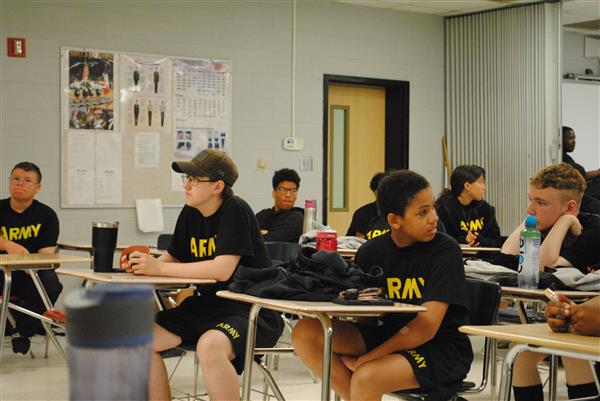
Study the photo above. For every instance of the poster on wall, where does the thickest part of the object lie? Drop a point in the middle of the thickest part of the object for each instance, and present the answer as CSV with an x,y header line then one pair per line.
x,y
202,106
119,129
145,92
90,90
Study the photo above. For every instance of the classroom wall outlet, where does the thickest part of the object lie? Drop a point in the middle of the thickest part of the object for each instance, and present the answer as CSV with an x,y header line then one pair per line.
x,y
293,143
262,164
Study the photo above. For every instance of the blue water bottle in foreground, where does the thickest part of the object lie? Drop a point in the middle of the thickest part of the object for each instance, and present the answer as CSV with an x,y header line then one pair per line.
x,y
529,254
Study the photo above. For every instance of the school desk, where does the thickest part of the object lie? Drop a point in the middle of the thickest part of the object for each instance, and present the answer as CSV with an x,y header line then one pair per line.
x,y
537,338
31,262
323,311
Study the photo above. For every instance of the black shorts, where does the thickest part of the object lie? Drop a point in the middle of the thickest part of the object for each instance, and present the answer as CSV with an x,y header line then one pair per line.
x,y
196,315
440,365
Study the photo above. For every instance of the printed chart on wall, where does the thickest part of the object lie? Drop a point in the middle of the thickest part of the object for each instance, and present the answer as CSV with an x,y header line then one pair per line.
x,y
127,116
202,104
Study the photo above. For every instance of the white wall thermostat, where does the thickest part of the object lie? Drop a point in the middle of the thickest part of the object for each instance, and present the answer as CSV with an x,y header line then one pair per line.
x,y
293,143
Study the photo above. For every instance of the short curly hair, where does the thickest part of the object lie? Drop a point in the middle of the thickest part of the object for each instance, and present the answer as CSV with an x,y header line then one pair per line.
x,y
398,189
285,174
563,177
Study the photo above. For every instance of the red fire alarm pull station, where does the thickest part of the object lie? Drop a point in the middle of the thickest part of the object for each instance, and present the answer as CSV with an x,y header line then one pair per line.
x,y
16,47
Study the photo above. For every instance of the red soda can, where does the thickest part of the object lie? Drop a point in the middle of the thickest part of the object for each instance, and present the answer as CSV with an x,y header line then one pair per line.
x,y
327,240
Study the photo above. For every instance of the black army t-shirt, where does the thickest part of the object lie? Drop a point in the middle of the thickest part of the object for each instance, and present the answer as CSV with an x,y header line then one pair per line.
x,y
377,226
478,216
584,250
282,225
35,228
422,272
231,230
361,218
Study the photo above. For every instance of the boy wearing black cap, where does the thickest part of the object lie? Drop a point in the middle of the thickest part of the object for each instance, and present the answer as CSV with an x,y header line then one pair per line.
x,y
215,232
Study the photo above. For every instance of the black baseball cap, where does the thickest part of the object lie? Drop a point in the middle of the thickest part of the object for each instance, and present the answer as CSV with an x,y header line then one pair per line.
x,y
215,164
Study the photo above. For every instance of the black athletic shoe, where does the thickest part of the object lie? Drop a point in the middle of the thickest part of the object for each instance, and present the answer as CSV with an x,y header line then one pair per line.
x,y
20,345
172,353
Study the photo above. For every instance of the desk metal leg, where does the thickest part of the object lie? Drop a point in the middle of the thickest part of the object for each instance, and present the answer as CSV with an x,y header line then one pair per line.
x,y
522,312
5,300
509,361
493,367
250,345
46,300
327,351
552,380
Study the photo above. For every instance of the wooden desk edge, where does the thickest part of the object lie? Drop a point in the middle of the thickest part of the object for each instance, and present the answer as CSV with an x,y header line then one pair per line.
x,y
127,278
538,334
539,293
40,258
341,309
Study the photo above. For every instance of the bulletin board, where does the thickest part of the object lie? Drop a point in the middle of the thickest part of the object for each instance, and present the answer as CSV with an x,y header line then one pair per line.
x,y
127,116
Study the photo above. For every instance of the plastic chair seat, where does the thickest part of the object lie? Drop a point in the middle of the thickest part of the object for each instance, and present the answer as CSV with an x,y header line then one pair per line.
x,y
512,316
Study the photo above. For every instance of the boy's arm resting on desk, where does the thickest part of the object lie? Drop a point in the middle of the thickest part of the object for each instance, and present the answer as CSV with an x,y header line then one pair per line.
x,y
11,247
550,248
420,330
511,245
220,268
48,249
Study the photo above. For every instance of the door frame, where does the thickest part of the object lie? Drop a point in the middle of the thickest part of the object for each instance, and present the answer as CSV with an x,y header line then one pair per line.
x,y
397,110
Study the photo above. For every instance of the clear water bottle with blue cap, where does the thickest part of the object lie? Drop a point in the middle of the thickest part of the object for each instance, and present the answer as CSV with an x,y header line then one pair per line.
x,y
529,254
109,340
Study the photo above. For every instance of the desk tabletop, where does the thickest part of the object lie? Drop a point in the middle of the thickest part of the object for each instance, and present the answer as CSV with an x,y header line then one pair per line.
x,y
328,308
538,334
539,294
32,259
128,278
474,249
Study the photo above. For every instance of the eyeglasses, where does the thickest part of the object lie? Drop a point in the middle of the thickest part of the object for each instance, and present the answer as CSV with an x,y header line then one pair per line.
x,y
193,181
24,181
284,190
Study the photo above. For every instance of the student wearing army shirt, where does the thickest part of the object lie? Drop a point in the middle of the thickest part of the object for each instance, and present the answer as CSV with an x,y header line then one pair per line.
x,y
282,222
421,267
215,232
464,213
28,226
364,215
569,239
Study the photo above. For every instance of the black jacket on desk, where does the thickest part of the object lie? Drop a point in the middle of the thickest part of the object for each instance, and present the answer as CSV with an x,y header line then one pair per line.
x,y
283,225
477,217
310,276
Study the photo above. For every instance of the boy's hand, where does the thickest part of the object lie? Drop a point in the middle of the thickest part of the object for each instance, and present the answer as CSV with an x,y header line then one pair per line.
x,y
142,263
472,238
557,316
585,319
573,222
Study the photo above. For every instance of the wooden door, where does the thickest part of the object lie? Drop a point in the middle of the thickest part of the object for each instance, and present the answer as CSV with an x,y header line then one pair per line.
x,y
361,110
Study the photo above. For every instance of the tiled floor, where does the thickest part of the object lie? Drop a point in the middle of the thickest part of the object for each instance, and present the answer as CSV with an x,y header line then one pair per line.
x,y
24,378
